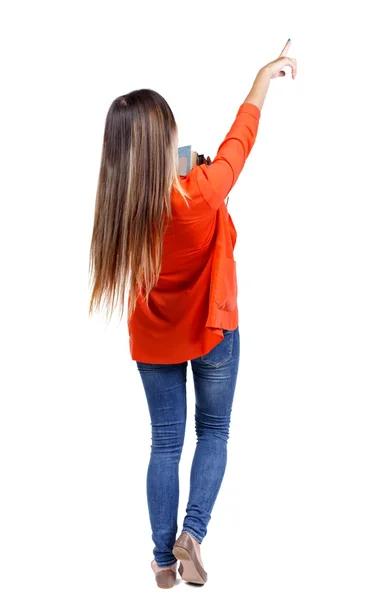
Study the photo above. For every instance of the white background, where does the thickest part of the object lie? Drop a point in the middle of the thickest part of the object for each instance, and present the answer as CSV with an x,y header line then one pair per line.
x,y
294,518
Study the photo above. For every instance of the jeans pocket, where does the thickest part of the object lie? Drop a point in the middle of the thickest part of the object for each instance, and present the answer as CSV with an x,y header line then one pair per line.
x,y
222,352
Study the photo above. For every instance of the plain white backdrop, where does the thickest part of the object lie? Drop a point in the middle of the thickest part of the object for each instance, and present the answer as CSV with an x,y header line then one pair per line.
x,y
294,518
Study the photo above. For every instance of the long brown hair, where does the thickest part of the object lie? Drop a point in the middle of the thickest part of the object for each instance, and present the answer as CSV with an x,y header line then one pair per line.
x,y
139,169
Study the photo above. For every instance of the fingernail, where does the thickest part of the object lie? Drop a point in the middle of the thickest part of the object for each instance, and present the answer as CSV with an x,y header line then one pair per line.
x,y
289,39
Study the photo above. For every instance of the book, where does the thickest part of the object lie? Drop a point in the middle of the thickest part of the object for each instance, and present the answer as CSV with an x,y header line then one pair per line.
x,y
188,159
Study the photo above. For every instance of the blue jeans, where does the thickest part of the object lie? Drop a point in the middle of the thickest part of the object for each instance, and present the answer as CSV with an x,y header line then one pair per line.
x,y
215,377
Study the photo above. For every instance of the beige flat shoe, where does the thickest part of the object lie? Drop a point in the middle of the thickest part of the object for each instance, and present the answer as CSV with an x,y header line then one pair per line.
x,y
165,578
190,568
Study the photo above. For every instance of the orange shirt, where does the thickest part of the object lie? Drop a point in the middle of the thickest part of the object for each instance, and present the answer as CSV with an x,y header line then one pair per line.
x,y
196,294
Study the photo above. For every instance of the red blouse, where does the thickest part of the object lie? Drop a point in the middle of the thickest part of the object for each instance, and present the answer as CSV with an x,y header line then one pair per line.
x,y
196,294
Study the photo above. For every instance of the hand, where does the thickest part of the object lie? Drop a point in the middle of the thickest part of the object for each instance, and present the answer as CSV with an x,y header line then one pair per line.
x,y
275,68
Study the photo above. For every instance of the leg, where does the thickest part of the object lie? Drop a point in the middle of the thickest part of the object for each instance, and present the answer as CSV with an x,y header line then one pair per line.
x,y
215,377
165,389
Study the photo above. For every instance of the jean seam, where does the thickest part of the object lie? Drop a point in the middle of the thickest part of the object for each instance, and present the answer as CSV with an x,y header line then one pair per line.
x,y
212,363
198,538
169,564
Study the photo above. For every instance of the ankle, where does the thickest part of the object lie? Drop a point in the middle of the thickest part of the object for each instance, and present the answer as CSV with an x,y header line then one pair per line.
x,y
156,568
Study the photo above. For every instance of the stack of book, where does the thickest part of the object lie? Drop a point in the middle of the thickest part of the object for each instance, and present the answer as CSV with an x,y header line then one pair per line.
x,y
188,159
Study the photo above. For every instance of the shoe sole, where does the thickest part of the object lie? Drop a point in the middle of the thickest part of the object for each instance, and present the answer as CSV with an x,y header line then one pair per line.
x,y
187,568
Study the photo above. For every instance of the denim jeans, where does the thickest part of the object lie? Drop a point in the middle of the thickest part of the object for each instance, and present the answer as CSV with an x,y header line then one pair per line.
x,y
215,377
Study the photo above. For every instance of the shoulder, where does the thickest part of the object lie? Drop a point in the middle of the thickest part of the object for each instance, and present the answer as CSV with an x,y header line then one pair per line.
x,y
197,183
197,188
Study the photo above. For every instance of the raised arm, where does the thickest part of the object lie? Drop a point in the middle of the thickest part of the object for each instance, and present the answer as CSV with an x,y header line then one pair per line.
x,y
217,179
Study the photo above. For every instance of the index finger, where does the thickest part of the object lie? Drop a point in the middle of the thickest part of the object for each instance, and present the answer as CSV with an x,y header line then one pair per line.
x,y
286,48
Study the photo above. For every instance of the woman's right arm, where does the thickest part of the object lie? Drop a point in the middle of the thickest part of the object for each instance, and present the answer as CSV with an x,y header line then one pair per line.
x,y
259,88
217,179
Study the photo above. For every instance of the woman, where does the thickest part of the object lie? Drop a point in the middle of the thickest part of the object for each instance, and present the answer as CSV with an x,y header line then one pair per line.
x,y
172,238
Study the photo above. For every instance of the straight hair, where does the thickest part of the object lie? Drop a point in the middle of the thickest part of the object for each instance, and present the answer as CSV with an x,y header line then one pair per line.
x,y
138,172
